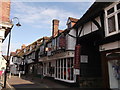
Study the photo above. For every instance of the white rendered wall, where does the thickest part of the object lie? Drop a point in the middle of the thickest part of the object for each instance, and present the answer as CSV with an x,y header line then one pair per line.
x,y
109,46
89,27
2,60
71,42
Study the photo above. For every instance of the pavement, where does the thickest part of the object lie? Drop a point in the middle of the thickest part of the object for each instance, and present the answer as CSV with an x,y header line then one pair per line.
x,y
36,83
33,82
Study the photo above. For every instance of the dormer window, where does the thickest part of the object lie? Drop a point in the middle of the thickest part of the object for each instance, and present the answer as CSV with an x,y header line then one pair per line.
x,y
71,21
112,19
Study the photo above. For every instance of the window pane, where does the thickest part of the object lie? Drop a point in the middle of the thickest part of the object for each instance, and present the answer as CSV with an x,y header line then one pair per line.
x,y
61,63
64,68
119,21
56,68
111,24
61,73
110,11
65,63
118,6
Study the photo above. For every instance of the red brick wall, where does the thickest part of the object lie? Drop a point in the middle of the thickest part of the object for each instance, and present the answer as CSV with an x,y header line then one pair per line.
x,y
4,10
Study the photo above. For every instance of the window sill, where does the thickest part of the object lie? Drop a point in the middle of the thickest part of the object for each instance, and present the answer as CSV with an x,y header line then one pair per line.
x,y
113,33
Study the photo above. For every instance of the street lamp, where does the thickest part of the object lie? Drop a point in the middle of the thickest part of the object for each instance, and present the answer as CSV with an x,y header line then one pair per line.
x,y
8,49
18,23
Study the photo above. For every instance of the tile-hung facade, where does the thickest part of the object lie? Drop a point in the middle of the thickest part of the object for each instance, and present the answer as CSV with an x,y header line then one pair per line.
x,y
99,37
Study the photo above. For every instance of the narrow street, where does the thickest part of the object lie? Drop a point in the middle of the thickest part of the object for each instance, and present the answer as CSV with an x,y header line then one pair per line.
x,y
25,82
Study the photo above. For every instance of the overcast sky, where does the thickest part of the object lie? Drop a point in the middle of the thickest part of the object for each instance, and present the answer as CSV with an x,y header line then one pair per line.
x,y
36,19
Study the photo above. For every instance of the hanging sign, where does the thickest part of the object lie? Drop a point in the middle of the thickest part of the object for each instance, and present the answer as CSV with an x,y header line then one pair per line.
x,y
77,57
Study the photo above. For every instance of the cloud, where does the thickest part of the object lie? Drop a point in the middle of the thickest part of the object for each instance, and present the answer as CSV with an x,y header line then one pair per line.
x,y
13,47
39,14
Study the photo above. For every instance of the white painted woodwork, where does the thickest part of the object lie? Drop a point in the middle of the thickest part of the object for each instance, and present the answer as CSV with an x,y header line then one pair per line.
x,y
109,46
71,41
89,27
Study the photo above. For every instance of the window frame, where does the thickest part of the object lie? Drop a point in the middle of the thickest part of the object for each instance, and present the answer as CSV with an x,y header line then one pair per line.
x,y
107,16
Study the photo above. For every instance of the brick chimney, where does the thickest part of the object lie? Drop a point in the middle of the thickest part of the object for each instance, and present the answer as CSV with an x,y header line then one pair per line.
x,y
4,10
55,27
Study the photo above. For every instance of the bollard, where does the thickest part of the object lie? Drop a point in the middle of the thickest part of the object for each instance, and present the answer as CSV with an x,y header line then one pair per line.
x,y
19,74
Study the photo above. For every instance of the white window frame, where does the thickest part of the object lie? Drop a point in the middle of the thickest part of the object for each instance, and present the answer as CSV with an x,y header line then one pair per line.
x,y
114,5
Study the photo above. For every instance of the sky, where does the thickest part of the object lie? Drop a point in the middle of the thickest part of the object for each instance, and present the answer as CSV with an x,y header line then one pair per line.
x,y
36,20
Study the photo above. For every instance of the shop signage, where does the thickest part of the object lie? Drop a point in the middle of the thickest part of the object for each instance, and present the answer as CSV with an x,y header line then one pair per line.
x,y
77,57
76,71
84,59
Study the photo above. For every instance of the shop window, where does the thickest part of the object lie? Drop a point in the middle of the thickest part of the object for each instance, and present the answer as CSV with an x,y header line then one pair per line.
x,y
64,68
56,69
59,68
112,19
71,74
70,68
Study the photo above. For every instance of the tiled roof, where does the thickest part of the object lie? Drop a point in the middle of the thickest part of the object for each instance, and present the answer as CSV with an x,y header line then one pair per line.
x,y
13,53
60,31
46,38
73,19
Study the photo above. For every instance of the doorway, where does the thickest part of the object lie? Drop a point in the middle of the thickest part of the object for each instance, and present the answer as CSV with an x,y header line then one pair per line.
x,y
114,73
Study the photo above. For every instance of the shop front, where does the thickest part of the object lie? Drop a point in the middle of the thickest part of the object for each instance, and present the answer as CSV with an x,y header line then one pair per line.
x,y
111,68
49,68
64,70
59,67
